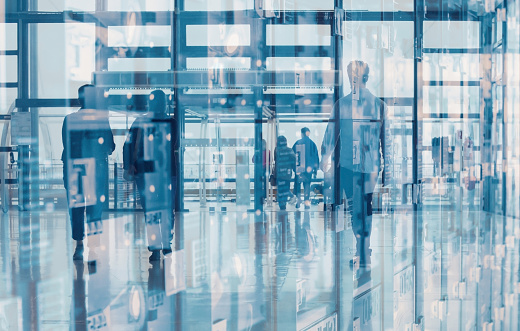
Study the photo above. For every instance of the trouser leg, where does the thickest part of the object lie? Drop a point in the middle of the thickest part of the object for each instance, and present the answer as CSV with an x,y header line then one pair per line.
x,y
355,186
77,214
367,230
297,187
358,226
283,193
307,189
77,220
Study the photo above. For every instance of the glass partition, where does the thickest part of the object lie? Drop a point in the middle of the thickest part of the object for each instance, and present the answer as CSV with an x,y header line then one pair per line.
x,y
259,164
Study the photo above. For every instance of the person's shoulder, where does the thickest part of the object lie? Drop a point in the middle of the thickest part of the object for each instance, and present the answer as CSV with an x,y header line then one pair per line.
x,y
74,114
345,99
374,97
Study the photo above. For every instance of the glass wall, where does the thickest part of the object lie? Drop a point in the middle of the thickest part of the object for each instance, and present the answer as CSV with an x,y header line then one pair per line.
x,y
352,164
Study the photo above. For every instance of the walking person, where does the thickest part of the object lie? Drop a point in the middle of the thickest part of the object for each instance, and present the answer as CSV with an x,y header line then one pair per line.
x,y
87,142
149,161
285,161
266,160
307,164
361,145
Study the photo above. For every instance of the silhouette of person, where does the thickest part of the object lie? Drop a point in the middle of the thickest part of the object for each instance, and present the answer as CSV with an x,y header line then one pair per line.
x,y
266,160
148,160
285,160
361,146
87,143
307,163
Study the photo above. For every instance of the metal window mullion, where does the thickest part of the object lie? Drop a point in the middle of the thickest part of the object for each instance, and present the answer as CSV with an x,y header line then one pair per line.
x,y
416,157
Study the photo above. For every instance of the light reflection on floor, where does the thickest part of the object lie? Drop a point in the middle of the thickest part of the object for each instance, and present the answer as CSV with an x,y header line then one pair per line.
x,y
277,271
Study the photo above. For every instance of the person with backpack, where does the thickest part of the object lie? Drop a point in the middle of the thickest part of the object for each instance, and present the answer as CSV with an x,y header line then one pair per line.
x,y
149,161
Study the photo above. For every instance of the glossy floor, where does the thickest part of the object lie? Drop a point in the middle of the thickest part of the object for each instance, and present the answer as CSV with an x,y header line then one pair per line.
x,y
273,271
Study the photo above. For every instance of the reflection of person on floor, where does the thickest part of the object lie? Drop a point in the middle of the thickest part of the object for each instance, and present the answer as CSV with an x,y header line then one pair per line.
x,y
80,298
156,289
87,143
307,163
361,133
149,161
285,160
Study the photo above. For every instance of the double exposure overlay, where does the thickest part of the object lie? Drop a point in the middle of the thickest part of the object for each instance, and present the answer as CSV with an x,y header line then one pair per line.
x,y
260,165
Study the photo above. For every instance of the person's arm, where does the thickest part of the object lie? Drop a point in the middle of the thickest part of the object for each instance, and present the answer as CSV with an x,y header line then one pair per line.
x,y
111,142
111,145
64,139
382,136
317,158
127,150
293,161
329,139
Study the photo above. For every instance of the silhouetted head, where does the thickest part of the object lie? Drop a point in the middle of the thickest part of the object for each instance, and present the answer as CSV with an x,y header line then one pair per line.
x,y
281,141
305,132
358,72
157,102
86,96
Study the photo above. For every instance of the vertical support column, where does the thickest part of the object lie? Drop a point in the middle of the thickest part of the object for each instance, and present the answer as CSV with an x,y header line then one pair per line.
x,y
342,276
34,154
259,28
486,115
501,19
178,150
416,159
338,93
23,95
259,207
488,158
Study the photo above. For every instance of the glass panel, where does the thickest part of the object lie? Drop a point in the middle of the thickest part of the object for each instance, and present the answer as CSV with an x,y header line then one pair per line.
x,y
251,250
139,35
451,100
8,33
383,5
298,35
218,5
141,5
203,63
139,64
298,63
51,144
231,36
7,99
512,69
299,5
452,34
513,28
8,69
61,5
65,58
387,48
451,67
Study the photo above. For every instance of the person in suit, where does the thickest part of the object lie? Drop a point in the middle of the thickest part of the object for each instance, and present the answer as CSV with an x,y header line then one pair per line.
x,y
87,142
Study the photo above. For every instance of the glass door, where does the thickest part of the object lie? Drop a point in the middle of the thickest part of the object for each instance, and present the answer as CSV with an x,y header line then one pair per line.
x,y
448,171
